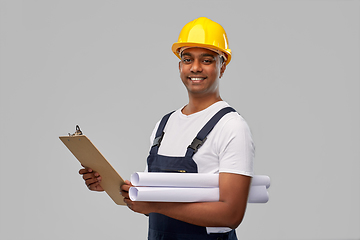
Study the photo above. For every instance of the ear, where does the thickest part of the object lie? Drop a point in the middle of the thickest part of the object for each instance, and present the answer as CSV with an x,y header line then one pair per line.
x,y
222,69
179,66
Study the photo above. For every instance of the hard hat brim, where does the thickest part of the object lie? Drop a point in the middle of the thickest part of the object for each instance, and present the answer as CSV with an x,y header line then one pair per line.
x,y
176,46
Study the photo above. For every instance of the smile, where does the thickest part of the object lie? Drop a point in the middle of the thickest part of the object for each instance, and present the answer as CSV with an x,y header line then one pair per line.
x,y
196,78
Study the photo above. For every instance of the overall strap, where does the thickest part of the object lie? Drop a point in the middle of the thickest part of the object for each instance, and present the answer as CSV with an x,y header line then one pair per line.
x,y
160,131
201,136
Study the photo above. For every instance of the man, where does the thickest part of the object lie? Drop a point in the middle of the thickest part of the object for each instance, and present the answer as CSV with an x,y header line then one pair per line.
x,y
220,142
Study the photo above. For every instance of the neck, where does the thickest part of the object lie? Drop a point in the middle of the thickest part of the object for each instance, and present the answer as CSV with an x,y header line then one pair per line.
x,y
197,104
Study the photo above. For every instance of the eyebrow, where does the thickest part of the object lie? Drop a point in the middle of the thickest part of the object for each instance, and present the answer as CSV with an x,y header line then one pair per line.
x,y
202,55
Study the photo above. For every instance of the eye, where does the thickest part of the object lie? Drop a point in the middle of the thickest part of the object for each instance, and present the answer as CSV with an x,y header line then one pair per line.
x,y
186,60
207,61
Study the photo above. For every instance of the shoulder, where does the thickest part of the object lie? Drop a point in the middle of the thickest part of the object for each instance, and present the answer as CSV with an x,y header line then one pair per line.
x,y
233,122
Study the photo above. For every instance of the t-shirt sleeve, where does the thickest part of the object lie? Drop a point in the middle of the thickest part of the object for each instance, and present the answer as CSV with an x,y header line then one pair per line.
x,y
236,148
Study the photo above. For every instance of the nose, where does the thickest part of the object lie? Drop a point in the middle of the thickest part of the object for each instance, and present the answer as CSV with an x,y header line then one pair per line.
x,y
196,66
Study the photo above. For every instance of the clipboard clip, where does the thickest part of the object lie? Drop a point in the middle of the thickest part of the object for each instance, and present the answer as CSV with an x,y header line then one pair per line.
x,y
77,132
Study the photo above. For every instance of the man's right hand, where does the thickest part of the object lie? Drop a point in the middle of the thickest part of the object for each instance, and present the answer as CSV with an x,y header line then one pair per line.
x,y
92,179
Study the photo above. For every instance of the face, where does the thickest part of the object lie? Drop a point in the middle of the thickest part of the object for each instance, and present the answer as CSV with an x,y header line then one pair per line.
x,y
200,71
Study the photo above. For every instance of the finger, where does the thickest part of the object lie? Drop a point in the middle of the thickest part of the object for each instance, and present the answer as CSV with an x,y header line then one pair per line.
x,y
125,195
87,176
125,188
128,182
94,186
124,192
92,181
83,171
127,201
90,175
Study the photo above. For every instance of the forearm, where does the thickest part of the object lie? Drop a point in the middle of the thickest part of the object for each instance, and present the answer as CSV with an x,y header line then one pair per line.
x,y
207,214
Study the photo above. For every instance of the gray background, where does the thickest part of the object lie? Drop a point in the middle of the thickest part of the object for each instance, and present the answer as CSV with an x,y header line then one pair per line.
x,y
107,66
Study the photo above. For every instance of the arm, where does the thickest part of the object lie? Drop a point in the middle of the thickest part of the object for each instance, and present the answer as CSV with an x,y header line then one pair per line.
x,y
227,212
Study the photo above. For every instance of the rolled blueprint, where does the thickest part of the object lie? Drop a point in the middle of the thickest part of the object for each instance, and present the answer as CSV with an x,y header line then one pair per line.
x,y
259,180
155,179
165,194
257,194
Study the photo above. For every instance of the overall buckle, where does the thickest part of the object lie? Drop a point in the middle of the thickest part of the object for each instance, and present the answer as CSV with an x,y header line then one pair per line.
x,y
196,144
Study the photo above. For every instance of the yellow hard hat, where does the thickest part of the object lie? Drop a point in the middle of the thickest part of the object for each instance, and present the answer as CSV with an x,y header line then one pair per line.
x,y
203,32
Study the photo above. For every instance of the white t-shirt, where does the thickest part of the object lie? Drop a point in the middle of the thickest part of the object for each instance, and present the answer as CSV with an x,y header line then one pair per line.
x,y
228,147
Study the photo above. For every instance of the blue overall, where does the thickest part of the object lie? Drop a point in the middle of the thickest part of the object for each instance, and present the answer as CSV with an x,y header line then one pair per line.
x,y
162,227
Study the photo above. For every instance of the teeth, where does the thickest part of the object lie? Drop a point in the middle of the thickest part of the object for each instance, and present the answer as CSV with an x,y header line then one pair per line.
x,y
196,79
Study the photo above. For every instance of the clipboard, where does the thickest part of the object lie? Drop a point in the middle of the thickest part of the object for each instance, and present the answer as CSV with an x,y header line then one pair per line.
x,y
89,156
